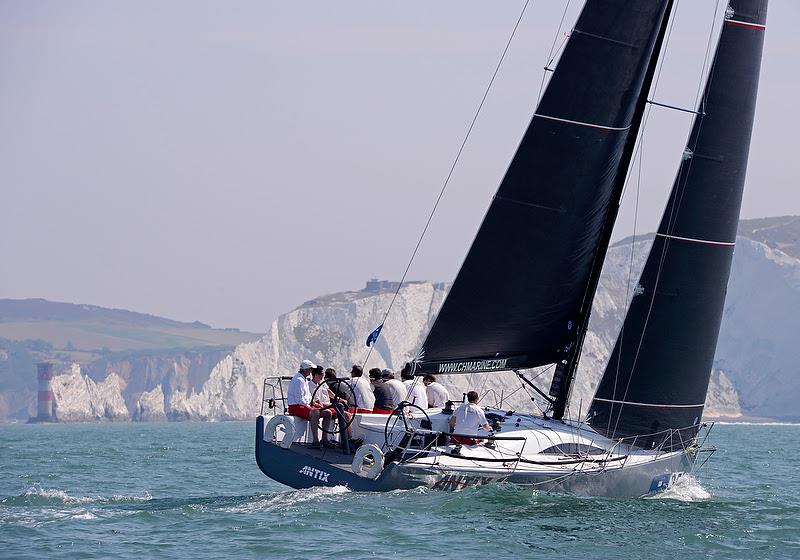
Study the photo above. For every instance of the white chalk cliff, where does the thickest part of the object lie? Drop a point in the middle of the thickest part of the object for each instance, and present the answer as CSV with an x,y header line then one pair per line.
x,y
79,399
755,368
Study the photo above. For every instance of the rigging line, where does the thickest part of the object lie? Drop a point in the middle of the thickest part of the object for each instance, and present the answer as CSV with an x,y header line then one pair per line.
x,y
531,395
628,283
450,173
679,199
654,89
522,385
645,119
515,391
550,55
637,146
672,219
638,153
705,58
485,380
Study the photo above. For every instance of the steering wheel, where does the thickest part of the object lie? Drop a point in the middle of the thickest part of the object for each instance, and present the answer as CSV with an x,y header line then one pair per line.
x,y
334,385
397,414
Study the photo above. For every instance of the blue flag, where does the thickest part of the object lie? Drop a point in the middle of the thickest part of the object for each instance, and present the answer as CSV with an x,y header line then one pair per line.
x,y
373,336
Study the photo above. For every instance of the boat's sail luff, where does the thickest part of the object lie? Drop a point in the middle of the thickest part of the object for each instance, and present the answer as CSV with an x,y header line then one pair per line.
x,y
658,374
518,294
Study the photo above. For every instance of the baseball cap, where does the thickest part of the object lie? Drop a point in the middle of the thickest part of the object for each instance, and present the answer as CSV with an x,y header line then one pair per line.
x,y
307,364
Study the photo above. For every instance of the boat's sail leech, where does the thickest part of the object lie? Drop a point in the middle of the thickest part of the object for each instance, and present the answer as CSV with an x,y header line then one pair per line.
x,y
658,374
517,301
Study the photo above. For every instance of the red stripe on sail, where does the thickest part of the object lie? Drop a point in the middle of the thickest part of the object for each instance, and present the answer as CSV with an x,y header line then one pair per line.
x,y
737,23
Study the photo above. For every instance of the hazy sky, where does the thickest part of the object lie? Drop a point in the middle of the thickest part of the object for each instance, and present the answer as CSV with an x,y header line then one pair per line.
x,y
226,161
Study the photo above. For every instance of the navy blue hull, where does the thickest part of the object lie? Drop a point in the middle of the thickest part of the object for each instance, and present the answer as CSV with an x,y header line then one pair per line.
x,y
299,470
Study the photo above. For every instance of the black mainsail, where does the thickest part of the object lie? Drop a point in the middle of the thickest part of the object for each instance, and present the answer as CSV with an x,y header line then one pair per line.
x,y
524,291
658,374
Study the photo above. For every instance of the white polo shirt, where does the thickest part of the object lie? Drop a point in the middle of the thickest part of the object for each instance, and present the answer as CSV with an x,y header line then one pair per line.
x,y
298,392
437,395
399,391
323,396
363,392
469,417
416,393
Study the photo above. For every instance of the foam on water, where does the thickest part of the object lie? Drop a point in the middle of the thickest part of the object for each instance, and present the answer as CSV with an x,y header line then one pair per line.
x,y
85,515
282,500
146,497
49,495
686,489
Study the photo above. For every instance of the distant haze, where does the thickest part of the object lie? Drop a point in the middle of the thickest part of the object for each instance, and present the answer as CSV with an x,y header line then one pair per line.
x,y
224,162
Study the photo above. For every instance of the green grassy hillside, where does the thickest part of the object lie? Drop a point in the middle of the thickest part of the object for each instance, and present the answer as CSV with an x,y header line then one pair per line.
x,y
35,330
97,330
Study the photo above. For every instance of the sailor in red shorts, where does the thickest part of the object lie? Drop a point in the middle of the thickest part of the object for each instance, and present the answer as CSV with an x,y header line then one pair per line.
x,y
466,420
298,397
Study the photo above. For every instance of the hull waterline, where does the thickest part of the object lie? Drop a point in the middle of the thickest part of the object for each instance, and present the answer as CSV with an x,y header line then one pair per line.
x,y
299,467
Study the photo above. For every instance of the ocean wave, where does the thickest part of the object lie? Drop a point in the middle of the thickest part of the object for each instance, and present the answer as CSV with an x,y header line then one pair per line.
x,y
36,495
686,489
85,515
121,498
283,500
45,516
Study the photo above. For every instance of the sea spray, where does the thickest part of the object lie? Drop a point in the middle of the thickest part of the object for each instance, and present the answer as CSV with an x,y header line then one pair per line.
x,y
686,489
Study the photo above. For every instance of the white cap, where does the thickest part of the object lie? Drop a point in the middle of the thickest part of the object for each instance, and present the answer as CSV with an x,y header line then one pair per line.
x,y
307,364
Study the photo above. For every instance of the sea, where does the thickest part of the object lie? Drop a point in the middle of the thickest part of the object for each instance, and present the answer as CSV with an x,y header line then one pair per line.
x,y
193,490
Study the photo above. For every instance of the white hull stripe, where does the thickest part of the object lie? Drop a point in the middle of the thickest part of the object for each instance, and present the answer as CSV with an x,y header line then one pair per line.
x,y
692,240
579,123
650,405
747,24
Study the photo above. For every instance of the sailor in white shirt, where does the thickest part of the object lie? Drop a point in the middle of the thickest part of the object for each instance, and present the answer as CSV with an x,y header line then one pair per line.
x,y
416,392
298,401
320,394
298,394
399,391
467,419
437,393
362,389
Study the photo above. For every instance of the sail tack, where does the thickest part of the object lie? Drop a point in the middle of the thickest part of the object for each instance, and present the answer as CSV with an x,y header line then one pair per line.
x,y
657,378
519,295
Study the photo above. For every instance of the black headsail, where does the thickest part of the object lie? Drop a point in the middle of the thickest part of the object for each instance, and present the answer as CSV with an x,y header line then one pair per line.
x,y
521,295
657,377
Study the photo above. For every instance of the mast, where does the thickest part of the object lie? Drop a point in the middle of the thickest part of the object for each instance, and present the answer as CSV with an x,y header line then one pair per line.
x,y
520,292
655,384
565,370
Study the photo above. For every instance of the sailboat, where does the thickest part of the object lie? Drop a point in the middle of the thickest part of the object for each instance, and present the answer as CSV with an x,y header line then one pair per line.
x,y
523,296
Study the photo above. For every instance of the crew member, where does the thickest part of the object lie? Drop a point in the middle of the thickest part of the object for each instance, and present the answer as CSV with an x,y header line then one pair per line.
x,y
466,420
365,398
340,392
384,402
298,399
396,386
322,400
320,391
415,391
437,393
